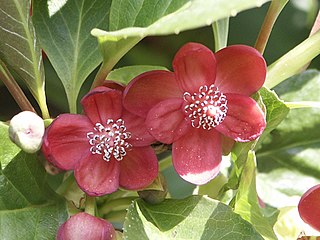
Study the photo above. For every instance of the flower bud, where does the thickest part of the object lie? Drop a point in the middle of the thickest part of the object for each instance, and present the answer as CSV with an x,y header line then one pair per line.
x,y
156,192
26,130
85,226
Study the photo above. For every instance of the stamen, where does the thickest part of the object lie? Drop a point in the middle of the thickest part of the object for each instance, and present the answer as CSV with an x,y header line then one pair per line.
x,y
110,139
206,108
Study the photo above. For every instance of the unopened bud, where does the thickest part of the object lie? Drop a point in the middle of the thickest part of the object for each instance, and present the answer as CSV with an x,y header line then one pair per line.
x,y
26,131
156,192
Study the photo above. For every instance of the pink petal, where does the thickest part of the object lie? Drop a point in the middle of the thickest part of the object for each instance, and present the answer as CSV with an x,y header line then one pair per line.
x,y
167,122
65,141
139,168
101,104
309,207
245,120
136,126
149,88
240,69
85,226
227,145
197,155
194,65
97,177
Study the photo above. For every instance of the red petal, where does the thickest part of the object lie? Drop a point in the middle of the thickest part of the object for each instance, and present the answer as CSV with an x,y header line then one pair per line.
x,y
245,120
97,177
65,141
240,69
136,126
227,145
194,65
101,104
197,155
309,207
166,121
139,168
113,85
149,88
85,226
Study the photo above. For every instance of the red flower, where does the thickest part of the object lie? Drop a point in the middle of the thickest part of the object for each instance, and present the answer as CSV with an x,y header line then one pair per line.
x,y
309,207
85,226
205,98
107,148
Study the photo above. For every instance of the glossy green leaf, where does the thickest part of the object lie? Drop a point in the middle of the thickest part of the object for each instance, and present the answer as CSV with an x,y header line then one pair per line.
x,y
246,203
19,47
131,21
195,217
64,31
29,209
126,74
288,160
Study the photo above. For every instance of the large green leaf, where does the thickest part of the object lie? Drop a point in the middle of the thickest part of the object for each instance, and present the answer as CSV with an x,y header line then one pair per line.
x,y
195,217
64,31
131,21
247,200
19,47
29,209
288,161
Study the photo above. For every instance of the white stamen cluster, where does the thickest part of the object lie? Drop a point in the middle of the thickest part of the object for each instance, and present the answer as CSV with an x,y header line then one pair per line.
x,y
109,139
206,108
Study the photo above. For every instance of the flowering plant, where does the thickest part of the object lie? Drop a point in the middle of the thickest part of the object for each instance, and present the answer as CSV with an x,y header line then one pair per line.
x,y
178,138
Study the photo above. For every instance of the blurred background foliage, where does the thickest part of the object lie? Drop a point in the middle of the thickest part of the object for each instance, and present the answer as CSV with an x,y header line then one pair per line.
x,y
291,28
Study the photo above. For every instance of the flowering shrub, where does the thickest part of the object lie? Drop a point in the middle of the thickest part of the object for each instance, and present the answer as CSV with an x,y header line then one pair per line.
x,y
187,136
204,100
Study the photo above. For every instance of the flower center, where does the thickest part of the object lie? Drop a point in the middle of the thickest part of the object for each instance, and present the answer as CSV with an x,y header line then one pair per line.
x,y
110,139
206,108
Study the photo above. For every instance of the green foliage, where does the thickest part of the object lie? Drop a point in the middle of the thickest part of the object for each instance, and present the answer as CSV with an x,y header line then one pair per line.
x,y
64,29
29,209
246,203
19,47
8,150
286,162
195,217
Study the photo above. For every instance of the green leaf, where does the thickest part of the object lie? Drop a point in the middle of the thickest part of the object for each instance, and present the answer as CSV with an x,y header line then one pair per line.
x,y
64,31
288,160
195,217
8,150
19,47
29,209
220,32
131,21
126,74
246,203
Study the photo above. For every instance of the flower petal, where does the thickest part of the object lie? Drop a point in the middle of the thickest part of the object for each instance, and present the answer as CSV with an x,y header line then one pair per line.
x,y
65,140
245,120
139,168
167,122
194,65
140,136
309,207
85,226
197,155
113,85
149,88
240,69
101,104
97,177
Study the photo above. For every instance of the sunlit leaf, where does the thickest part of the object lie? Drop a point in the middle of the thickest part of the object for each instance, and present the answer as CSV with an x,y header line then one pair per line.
x,y
195,217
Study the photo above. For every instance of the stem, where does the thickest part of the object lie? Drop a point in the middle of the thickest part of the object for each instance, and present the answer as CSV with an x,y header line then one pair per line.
x,y
102,74
292,62
90,205
165,163
274,10
116,205
303,104
14,89
220,32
